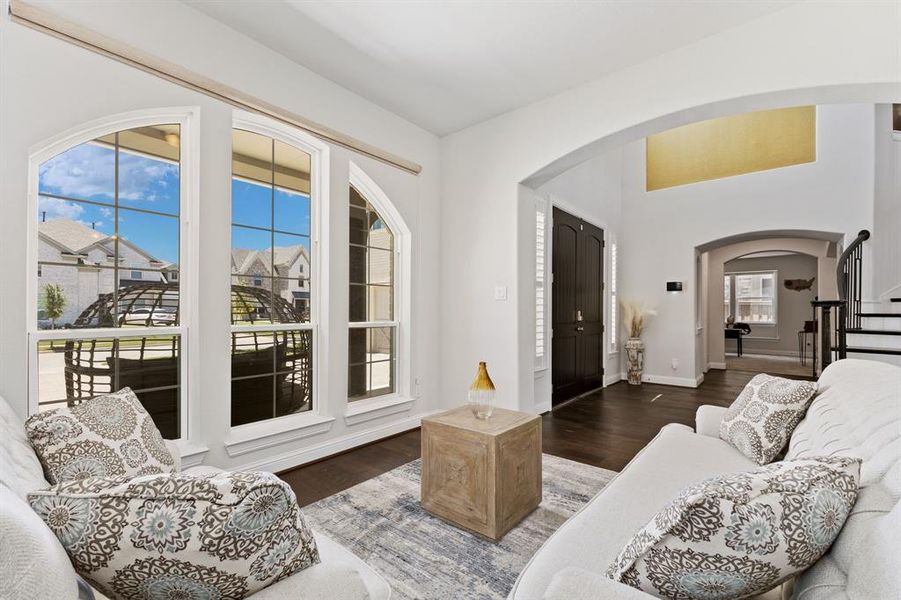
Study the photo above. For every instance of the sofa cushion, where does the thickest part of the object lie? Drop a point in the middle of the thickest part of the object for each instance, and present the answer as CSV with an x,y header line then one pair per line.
x,y
226,536
25,542
107,436
594,536
857,413
739,535
20,469
762,418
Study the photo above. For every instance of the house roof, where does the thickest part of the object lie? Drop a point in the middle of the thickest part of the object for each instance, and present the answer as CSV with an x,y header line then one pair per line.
x,y
284,256
71,235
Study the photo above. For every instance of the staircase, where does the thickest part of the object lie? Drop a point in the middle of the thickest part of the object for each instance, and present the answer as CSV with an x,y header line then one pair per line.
x,y
879,333
851,327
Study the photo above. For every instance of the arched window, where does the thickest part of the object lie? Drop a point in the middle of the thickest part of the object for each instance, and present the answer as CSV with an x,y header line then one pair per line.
x,y
376,297
108,244
273,319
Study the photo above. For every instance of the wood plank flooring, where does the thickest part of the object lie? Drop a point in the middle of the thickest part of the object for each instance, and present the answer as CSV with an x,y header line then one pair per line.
x,y
605,428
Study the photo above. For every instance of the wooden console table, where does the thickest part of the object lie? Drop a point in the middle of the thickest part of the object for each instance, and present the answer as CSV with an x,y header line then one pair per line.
x,y
482,475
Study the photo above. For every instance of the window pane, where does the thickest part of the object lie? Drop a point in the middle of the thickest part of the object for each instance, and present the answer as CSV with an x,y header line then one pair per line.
x,y
272,374
87,172
250,252
357,264
146,303
292,212
359,226
371,369
148,168
75,296
249,303
72,371
381,303
147,240
251,204
291,300
381,267
124,171
379,234
358,303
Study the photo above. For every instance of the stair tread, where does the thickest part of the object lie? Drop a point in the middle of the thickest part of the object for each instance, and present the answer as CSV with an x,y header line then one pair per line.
x,y
879,314
890,351
862,330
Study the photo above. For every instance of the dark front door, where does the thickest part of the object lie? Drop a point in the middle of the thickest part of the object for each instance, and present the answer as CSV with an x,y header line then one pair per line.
x,y
578,307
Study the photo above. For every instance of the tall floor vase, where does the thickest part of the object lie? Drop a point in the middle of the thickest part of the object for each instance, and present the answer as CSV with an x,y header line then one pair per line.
x,y
635,357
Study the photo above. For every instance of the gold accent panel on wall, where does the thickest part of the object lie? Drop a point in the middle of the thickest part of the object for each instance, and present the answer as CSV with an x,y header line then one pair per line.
x,y
727,146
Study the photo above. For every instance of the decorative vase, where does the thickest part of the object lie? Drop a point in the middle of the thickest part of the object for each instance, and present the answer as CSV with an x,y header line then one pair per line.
x,y
635,355
482,394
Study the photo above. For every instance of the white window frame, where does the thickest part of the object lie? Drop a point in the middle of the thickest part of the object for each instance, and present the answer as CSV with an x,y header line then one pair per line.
x,y
613,297
188,120
361,410
733,301
250,437
542,276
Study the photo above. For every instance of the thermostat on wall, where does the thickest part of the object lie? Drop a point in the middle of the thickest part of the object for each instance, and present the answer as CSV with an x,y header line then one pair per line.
x,y
673,286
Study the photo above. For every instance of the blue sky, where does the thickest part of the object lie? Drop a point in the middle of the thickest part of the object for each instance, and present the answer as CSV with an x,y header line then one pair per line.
x,y
87,172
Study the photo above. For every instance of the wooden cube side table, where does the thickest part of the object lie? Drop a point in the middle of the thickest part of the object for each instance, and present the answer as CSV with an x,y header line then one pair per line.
x,y
483,475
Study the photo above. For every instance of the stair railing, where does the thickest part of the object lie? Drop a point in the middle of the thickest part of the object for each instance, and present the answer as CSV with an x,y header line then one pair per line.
x,y
848,277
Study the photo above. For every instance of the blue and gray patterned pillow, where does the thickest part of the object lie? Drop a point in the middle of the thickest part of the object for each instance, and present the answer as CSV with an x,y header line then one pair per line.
x,y
179,536
106,436
740,535
761,420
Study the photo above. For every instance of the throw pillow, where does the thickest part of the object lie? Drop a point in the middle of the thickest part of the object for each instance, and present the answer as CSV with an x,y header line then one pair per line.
x,y
106,436
761,420
739,535
173,535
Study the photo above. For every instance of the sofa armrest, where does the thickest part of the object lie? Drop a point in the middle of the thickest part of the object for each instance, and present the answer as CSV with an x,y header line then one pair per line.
x,y
573,583
708,418
176,453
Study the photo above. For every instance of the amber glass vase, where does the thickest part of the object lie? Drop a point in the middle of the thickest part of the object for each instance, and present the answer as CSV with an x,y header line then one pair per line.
x,y
482,394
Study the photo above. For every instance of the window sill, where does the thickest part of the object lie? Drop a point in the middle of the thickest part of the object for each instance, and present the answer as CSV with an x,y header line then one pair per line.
x,y
257,436
191,454
374,408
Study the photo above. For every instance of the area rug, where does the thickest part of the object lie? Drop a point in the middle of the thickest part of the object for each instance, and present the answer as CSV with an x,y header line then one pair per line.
x,y
423,557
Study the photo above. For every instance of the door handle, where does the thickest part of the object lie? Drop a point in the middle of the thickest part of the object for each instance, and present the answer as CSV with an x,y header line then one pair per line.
x,y
580,328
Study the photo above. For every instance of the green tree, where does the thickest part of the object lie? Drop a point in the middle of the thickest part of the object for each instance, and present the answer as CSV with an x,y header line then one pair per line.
x,y
54,302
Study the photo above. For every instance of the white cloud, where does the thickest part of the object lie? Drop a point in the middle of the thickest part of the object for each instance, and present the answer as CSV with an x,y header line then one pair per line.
x,y
88,171
55,208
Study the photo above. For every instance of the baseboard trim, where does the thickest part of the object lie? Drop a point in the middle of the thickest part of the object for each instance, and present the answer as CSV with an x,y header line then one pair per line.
x,y
761,352
301,456
612,378
690,382
716,365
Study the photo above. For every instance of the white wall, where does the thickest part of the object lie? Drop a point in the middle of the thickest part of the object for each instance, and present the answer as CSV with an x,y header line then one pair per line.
x,y
807,53
833,194
591,191
792,306
60,86
885,245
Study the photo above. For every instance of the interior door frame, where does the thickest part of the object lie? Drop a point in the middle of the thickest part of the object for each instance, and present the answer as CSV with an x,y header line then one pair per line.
x,y
552,203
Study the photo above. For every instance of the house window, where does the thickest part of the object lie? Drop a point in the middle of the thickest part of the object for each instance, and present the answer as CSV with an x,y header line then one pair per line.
x,y
614,307
751,297
109,210
373,324
540,285
272,329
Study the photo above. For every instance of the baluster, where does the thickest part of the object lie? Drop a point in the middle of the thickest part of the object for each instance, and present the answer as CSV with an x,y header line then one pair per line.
x,y
825,341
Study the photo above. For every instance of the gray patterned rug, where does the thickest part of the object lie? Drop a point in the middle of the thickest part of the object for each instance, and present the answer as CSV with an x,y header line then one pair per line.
x,y
423,557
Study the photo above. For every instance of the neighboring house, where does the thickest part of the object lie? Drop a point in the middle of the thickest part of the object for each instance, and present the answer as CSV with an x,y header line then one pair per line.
x,y
82,260
288,267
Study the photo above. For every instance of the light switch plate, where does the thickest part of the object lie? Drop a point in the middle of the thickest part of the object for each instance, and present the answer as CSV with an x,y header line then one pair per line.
x,y
500,292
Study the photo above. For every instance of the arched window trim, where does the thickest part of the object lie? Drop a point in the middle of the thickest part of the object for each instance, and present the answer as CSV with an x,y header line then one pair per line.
x,y
252,436
188,120
403,301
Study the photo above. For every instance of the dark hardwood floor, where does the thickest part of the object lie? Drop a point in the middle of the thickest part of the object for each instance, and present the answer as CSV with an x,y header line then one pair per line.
x,y
605,428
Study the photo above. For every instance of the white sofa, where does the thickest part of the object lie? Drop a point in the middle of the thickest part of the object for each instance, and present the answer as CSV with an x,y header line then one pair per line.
x,y
857,412
33,564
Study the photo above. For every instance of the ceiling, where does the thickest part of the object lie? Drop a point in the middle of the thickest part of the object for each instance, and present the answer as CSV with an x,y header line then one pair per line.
x,y
445,65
